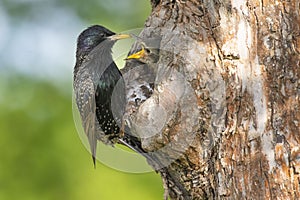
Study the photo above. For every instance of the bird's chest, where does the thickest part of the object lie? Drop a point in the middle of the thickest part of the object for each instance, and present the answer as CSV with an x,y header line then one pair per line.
x,y
109,123
106,102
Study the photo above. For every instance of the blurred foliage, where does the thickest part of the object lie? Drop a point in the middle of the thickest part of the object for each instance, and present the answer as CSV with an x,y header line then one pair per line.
x,y
116,14
42,156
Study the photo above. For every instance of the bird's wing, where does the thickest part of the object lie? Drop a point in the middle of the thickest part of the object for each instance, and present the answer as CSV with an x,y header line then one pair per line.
x,y
85,98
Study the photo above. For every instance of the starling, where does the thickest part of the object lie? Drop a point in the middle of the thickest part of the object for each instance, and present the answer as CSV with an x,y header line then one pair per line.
x,y
147,55
95,79
140,76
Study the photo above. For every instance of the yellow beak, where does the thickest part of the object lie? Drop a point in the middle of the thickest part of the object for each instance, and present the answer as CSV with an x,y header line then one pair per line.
x,y
137,55
119,36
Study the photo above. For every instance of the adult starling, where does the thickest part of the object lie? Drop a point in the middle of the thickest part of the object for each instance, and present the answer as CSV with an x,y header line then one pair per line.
x,y
95,79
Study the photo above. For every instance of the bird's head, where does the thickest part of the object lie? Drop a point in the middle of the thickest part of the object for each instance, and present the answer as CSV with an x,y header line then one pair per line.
x,y
93,36
146,54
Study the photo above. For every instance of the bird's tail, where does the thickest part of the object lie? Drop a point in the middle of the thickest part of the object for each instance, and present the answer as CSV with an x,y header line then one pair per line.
x,y
92,139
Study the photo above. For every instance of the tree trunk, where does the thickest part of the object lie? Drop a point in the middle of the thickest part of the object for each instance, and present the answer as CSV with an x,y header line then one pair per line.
x,y
223,120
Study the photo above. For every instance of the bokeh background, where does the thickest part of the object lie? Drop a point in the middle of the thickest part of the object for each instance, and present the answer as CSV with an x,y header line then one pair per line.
x,y
42,156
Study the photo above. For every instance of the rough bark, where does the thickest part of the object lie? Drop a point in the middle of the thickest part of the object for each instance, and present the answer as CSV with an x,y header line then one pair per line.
x,y
223,120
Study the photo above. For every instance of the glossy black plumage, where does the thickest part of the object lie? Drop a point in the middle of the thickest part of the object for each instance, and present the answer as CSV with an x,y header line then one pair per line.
x,y
95,79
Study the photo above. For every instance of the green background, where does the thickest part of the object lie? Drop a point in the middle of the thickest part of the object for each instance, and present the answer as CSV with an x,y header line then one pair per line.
x,y
42,156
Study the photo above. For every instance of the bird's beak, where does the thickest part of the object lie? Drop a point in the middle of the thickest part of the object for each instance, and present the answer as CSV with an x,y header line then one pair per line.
x,y
119,36
137,55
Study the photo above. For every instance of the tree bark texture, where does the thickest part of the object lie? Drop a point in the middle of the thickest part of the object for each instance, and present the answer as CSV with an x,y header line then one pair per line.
x,y
223,119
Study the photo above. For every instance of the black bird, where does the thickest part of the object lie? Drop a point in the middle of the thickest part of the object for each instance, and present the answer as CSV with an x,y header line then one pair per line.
x,y
96,78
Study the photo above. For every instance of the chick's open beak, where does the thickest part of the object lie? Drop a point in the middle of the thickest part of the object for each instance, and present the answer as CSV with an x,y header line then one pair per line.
x,y
119,36
137,55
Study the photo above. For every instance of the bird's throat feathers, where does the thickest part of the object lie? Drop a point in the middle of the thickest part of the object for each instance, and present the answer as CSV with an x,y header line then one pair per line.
x,y
90,46
96,59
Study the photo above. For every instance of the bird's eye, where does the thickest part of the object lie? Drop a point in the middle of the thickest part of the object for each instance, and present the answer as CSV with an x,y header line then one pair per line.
x,y
147,50
101,35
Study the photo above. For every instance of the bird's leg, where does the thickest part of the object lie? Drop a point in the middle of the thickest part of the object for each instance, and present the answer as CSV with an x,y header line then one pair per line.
x,y
122,129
